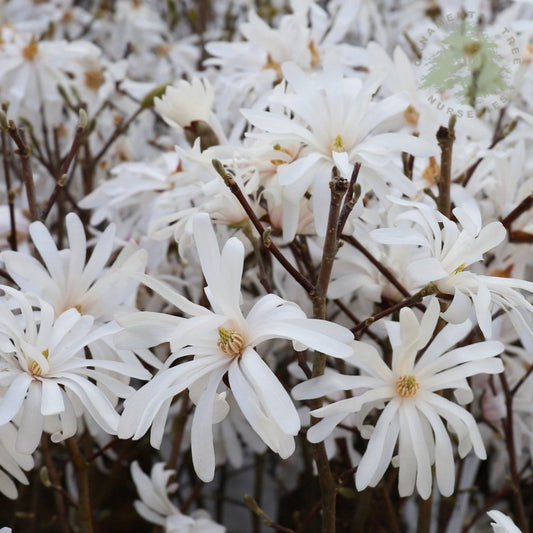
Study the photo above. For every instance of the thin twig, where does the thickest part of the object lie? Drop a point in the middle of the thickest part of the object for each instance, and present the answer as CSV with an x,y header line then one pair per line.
x,y
24,151
254,507
445,138
508,425
264,233
82,474
407,302
12,238
328,488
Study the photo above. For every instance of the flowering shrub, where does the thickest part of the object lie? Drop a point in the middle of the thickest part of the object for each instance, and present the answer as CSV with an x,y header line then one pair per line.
x,y
262,268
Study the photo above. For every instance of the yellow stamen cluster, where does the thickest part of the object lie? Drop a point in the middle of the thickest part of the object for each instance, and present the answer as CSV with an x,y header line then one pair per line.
x,y
460,268
275,66
338,145
35,367
315,54
432,172
31,50
280,148
230,342
411,115
407,386
94,79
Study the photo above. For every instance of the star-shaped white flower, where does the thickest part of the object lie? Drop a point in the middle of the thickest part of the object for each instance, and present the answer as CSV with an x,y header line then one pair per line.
x,y
414,408
223,343
44,373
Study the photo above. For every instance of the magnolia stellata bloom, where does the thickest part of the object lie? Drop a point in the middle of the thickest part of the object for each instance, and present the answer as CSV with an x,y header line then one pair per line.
x,y
223,343
441,250
338,123
66,281
155,505
188,107
413,407
45,376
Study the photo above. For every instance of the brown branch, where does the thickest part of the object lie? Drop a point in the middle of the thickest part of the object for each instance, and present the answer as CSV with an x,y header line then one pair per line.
x,y
407,302
254,507
264,233
445,138
377,263
12,238
327,482
24,152
62,179
82,475
508,425
351,198
521,208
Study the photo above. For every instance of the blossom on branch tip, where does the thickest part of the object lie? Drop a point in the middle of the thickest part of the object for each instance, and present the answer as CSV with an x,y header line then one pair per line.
x,y
222,342
413,410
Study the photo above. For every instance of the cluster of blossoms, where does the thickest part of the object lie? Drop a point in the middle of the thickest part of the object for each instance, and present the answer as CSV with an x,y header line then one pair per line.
x,y
243,228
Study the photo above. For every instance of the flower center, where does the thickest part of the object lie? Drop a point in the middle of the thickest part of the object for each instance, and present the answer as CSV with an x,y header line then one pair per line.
x,y
338,145
94,79
407,386
230,342
30,51
411,115
35,367
460,268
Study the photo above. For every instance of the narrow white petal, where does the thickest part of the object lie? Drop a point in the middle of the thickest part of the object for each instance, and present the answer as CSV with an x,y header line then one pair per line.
x,y
374,458
203,451
31,425
270,391
52,398
13,398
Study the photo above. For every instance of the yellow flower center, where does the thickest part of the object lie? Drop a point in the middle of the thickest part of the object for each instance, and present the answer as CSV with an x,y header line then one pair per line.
x,y
460,268
407,386
275,66
411,115
230,342
30,51
432,171
35,367
94,79
315,54
338,145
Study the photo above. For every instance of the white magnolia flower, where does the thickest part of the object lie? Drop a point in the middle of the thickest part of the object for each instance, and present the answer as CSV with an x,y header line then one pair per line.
x,y
502,523
414,408
223,343
155,505
31,70
188,104
67,281
338,123
441,250
45,376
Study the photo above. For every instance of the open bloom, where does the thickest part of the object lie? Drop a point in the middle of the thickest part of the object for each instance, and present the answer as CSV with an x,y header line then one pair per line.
x,y
413,408
66,281
44,375
223,343
441,250
338,123
188,108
